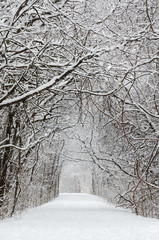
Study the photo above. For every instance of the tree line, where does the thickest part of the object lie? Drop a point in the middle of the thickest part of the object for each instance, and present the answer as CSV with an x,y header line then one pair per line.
x,y
97,62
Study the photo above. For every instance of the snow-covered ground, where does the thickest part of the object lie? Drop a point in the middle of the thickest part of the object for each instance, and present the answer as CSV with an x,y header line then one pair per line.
x,y
78,217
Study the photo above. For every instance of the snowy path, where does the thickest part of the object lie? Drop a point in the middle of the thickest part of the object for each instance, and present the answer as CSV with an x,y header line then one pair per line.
x,y
78,217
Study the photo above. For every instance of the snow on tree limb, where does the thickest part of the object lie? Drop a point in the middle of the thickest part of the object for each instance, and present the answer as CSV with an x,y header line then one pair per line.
x,y
56,80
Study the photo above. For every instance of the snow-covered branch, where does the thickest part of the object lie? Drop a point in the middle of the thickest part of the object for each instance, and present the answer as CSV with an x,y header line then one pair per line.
x,y
57,81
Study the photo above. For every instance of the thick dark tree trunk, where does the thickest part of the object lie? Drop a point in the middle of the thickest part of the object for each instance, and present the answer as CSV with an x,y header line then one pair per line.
x,y
5,156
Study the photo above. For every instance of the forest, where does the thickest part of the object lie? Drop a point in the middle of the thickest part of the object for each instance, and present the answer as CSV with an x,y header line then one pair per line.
x,y
84,71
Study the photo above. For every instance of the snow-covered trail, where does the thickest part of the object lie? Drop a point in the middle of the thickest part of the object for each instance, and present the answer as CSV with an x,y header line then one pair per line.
x,y
78,217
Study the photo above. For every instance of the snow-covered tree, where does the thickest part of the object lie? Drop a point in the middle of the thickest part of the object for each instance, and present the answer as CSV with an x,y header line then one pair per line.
x,y
97,60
